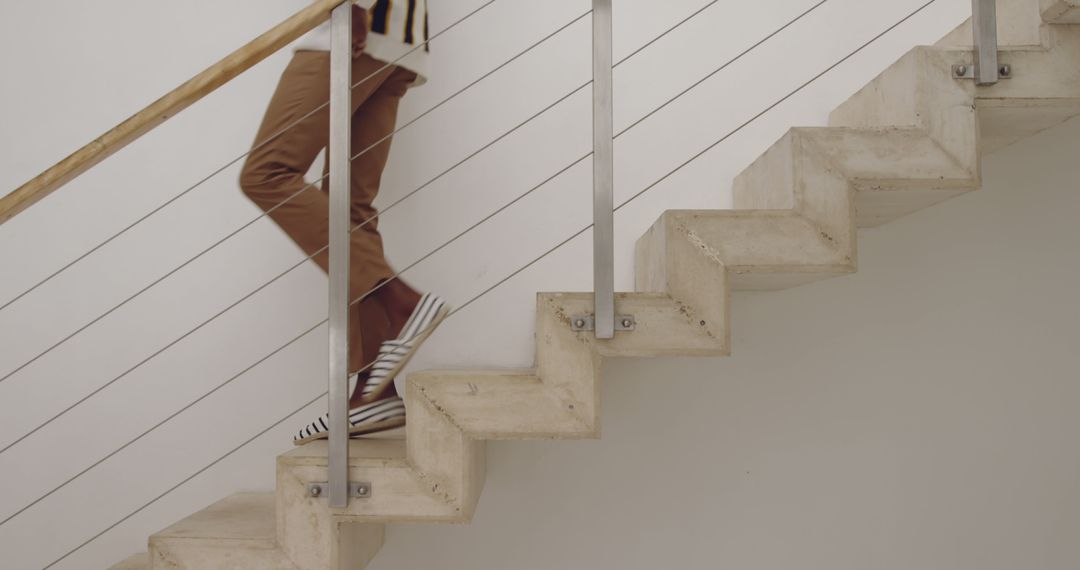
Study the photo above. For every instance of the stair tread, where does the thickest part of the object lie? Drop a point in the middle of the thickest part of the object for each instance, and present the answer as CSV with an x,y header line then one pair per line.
x,y
139,561
363,452
739,238
248,517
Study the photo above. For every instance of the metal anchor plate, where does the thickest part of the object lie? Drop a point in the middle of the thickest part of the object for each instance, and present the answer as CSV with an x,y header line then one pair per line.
x,y
967,71
581,323
357,490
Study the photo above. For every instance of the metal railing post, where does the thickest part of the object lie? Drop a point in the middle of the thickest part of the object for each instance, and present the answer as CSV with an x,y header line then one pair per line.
x,y
603,172
340,153
984,27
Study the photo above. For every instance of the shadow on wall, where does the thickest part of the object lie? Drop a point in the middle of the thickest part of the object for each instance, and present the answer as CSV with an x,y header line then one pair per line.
x,y
888,419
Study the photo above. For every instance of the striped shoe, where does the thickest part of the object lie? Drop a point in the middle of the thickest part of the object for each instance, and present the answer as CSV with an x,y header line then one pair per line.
x,y
395,354
370,418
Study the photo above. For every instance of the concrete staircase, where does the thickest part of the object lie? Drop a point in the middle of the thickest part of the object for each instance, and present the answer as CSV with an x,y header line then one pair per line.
x,y
911,138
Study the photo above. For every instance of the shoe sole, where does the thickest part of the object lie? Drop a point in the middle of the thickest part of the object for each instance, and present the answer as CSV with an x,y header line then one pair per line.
x,y
366,429
420,339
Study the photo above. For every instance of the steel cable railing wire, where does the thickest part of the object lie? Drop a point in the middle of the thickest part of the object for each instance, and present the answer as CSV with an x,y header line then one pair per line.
x,y
515,272
270,210
297,265
410,266
232,162
365,222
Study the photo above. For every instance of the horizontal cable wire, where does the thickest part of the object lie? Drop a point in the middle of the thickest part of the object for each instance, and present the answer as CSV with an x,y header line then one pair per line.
x,y
517,271
722,67
232,162
262,215
159,424
358,227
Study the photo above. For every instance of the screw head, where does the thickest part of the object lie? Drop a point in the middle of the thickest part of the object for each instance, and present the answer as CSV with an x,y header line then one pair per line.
x,y
362,491
315,491
1004,70
627,323
961,70
580,323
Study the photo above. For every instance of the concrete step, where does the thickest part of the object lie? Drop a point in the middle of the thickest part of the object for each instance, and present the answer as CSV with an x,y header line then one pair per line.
x,y
235,533
241,532
1044,91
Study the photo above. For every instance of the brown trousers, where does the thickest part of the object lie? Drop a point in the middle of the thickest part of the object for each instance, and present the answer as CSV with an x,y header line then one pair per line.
x,y
275,170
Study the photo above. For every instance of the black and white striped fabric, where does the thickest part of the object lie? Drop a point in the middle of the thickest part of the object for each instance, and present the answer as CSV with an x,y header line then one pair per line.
x,y
395,354
363,417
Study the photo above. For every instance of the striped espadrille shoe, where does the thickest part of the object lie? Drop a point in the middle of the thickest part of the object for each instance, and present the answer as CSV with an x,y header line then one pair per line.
x,y
395,354
370,418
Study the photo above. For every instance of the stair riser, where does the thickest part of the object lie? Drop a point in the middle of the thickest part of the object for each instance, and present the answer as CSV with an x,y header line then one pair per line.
x,y
514,405
312,537
444,459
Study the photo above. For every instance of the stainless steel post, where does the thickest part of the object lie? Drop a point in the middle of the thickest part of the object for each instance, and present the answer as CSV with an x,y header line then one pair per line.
x,y
603,172
340,153
984,27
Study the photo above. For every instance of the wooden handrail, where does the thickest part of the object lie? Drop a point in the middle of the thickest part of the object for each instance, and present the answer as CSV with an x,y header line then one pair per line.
x,y
165,108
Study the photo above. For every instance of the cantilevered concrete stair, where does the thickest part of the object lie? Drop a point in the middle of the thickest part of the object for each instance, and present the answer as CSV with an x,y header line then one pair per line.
x,y
911,138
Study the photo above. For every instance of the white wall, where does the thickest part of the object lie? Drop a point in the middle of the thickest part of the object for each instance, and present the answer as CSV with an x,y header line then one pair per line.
x,y
74,69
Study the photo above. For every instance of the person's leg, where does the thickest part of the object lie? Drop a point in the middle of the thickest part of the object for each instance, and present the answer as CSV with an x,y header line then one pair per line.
x,y
374,118
290,138
411,316
291,135
373,121
376,407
